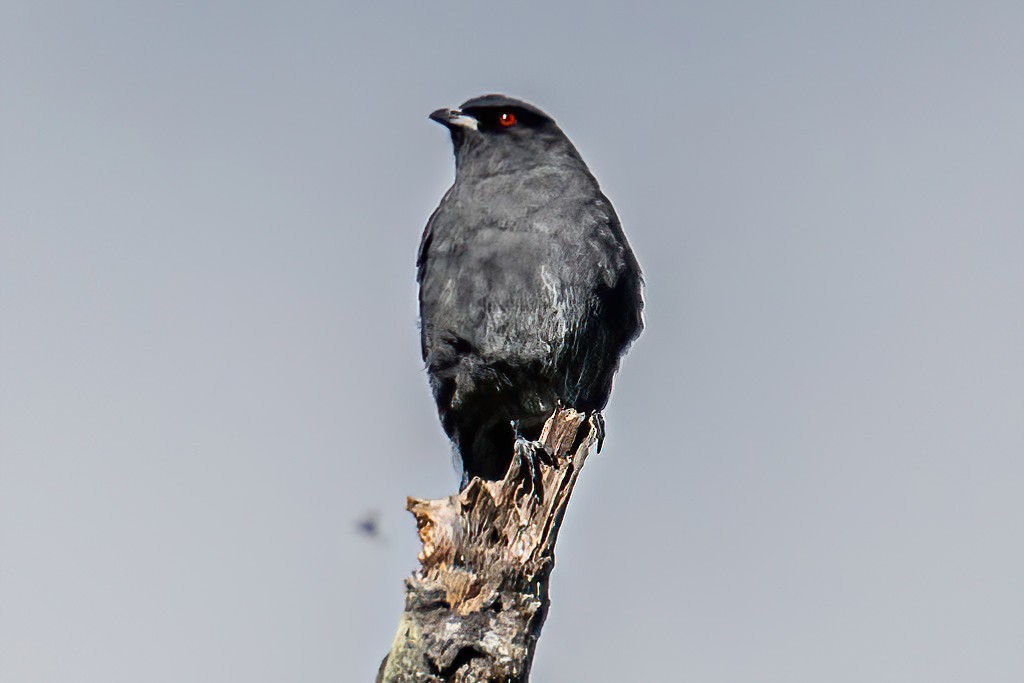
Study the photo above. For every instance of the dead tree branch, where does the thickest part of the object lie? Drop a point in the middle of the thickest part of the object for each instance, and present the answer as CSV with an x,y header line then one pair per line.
x,y
475,608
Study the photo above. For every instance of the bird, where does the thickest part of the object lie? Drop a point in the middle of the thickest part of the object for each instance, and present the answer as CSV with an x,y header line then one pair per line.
x,y
529,293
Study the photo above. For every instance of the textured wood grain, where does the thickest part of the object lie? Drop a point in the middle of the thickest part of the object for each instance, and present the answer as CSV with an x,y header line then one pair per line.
x,y
475,607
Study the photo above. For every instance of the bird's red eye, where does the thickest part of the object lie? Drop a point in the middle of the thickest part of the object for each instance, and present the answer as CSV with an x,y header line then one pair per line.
x,y
507,119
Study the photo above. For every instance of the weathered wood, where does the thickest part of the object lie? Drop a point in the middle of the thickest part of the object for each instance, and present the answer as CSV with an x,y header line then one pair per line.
x,y
475,607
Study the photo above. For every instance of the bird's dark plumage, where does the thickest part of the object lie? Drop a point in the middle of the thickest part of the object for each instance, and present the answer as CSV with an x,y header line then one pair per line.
x,y
529,292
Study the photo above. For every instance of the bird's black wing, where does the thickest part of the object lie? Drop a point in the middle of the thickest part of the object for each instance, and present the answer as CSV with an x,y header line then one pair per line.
x,y
428,236
422,256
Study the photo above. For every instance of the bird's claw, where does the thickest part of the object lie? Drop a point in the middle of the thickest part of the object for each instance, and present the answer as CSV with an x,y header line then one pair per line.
x,y
597,419
532,454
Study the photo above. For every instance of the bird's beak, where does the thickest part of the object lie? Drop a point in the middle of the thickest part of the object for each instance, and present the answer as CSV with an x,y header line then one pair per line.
x,y
454,117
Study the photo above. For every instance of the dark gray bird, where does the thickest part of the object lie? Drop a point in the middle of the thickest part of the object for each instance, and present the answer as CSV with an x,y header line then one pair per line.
x,y
529,293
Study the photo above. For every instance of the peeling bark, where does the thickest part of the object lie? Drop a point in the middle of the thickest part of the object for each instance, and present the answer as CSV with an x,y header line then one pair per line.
x,y
475,607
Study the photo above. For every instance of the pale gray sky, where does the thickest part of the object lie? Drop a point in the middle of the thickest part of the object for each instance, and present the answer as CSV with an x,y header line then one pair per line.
x,y
209,360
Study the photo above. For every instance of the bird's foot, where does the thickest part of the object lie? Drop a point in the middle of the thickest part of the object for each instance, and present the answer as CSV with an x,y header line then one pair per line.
x,y
535,447
531,455
530,474
597,419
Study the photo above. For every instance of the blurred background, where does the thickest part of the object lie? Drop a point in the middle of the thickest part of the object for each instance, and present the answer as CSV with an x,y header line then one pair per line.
x,y
212,404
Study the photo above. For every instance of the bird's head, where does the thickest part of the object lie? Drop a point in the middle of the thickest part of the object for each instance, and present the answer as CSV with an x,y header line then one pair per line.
x,y
495,133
